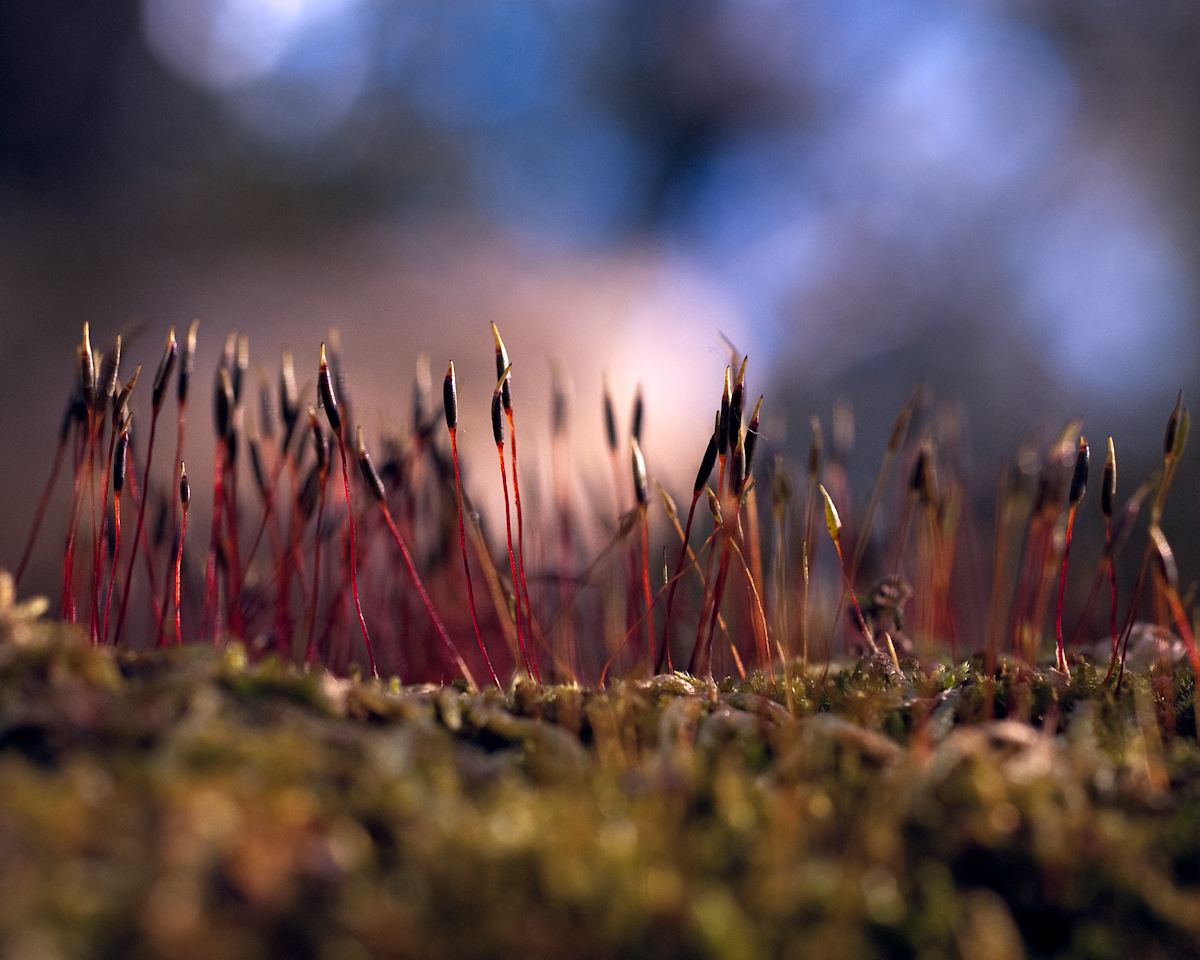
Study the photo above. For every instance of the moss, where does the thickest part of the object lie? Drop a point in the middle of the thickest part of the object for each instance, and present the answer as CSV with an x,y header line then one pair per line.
x,y
188,803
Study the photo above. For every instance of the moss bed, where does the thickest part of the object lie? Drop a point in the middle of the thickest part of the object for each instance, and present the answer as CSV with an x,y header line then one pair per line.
x,y
189,804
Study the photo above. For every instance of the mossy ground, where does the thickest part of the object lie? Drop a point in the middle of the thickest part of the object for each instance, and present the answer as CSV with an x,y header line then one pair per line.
x,y
188,804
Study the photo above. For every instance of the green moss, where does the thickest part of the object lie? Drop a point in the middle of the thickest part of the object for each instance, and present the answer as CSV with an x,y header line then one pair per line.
x,y
188,803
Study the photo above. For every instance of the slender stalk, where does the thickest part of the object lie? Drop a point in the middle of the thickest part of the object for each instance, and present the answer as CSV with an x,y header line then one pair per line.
x,y
498,436
450,402
111,383
310,649
98,552
332,414
524,587
646,585
70,417
233,564
504,373
697,658
112,573
1078,486
211,598
97,429
1005,505
1173,444
809,545
185,496
664,655
354,557
642,495
704,665
87,388
1060,656
165,367
68,571
834,525
899,432
120,464
512,563
375,486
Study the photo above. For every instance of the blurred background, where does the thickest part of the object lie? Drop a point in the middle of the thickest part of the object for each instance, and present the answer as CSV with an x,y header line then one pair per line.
x,y
995,197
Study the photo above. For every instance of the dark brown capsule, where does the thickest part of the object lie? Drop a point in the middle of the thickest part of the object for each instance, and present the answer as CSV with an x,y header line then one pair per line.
x,y
640,486
450,398
320,441
185,490
497,417
635,420
337,376
503,370
325,394
723,437
710,458
367,468
1108,483
165,367
87,377
1173,427
120,461
223,405
187,363
737,404
923,482
737,467
1080,478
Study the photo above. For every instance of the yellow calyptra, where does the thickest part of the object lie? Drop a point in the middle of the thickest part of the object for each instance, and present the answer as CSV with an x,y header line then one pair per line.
x,y
832,521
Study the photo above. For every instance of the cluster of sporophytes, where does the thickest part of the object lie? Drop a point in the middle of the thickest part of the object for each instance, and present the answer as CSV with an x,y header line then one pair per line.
x,y
374,570
724,747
